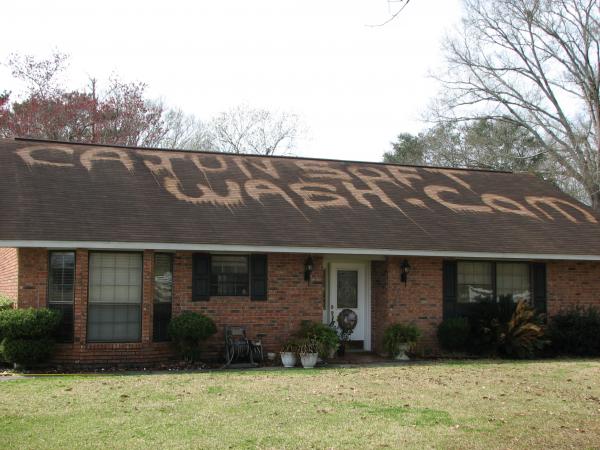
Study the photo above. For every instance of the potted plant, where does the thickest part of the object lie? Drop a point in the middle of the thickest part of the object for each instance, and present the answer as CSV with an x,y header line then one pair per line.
x,y
324,336
399,338
288,354
309,352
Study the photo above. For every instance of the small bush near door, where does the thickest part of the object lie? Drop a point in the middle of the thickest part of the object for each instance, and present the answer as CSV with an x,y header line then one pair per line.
x,y
398,334
576,331
27,335
323,335
187,331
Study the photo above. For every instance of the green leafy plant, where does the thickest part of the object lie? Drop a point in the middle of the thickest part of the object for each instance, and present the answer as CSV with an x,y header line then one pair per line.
x,y
31,323
5,303
27,334
324,336
27,351
523,336
290,346
576,331
187,331
453,334
397,334
307,345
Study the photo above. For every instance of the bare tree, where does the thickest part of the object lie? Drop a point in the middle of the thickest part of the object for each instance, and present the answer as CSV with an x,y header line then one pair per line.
x,y
184,131
41,75
258,131
395,7
536,64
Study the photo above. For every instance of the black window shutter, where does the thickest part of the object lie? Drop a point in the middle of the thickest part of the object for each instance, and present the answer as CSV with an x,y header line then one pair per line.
x,y
539,286
201,277
258,277
449,288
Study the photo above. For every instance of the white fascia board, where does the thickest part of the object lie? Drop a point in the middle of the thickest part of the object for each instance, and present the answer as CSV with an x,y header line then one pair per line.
x,y
96,245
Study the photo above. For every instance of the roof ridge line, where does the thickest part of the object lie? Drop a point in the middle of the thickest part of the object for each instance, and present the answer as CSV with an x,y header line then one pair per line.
x,y
289,157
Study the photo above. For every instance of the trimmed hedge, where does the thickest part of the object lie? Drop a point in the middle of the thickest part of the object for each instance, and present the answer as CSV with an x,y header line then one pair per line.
x,y
27,334
576,331
453,334
28,323
187,331
26,351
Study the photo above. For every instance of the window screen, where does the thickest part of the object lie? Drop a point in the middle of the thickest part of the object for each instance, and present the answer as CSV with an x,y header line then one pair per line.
x,y
115,296
513,281
229,275
474,282
61,276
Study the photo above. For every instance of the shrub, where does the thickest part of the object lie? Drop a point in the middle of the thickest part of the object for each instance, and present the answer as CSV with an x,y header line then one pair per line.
x,y
28,323
453,334
26,351
576,331
398,334
27,334
324,336
291,346
523,335
5,303
307,345
187,331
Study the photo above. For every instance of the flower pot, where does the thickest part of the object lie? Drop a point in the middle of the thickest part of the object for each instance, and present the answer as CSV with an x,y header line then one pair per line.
x,y
402,349
309,360
332,353
288,359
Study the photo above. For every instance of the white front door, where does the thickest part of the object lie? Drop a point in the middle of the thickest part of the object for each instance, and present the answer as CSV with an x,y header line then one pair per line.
x,y
348,291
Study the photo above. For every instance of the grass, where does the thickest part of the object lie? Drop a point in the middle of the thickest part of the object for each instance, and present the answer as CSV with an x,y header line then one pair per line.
x,y
482,404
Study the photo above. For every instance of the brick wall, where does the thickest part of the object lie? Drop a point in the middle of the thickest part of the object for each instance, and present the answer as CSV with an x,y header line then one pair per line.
x,y
418,302
572,283
290,300
9,272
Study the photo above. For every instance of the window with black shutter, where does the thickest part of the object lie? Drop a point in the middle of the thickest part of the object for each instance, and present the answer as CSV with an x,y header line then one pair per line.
x,y
200,277
258,271
538,271
470,285
229,276
163,296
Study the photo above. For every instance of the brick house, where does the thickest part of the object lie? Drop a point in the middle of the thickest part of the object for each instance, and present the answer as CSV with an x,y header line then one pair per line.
x,y
122,239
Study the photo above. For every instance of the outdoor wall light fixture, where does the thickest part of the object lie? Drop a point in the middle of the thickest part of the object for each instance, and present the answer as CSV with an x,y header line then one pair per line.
x,y
404,270
308,268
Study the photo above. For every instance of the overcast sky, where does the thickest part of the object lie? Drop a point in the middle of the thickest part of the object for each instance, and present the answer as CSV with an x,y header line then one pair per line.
x,y
356,87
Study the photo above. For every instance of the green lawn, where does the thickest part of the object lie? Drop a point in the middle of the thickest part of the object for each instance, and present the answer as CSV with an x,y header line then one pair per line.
x,y
551,404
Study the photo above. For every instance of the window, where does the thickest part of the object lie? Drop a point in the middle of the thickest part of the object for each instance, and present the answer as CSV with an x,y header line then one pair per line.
x,y
347,289
61,277
475,282
513,280
115,297
229,275
479,282
163,295
472,288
